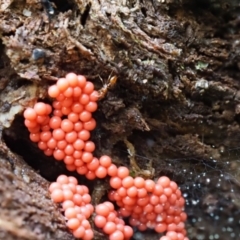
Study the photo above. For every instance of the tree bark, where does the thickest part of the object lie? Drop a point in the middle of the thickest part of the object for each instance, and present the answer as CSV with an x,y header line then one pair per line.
x,y
176,102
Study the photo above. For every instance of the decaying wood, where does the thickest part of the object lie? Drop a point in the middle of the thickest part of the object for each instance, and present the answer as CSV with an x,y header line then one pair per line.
x,y
176,100
27,212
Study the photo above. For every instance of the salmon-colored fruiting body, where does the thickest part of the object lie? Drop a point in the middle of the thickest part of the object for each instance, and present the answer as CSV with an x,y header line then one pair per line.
x,y
63,130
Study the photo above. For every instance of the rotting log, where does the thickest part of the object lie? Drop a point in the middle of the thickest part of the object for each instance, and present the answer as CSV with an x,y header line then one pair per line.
x,y
177,100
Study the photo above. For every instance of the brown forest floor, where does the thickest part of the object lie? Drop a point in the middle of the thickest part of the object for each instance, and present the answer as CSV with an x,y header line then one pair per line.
x,y
177,101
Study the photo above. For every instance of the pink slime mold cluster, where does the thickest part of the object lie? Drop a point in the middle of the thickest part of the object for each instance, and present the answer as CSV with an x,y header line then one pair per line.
x,y
63,130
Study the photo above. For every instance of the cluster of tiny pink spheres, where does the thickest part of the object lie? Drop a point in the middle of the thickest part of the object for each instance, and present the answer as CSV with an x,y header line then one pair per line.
x,y
107,219
150,205
63,130
75,204
65,134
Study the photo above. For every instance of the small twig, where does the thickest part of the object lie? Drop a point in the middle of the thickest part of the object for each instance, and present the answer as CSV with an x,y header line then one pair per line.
x,y
84,51
131,152
50,78
137,170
